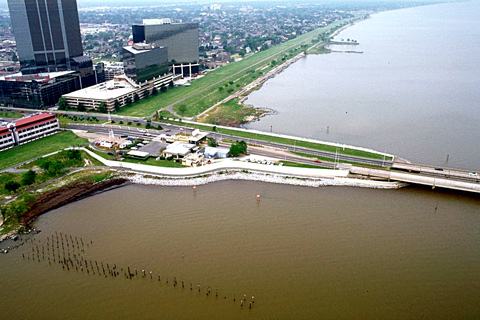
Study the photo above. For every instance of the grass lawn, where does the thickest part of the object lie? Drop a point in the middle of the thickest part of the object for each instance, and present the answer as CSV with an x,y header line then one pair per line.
x,y
38,148
221,82
10,114
299,165
230,113
158,163
66,119
149,161
287,141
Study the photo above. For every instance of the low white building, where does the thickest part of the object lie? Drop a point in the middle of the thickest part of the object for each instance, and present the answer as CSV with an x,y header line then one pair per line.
x,y
216,153
115,93
178,150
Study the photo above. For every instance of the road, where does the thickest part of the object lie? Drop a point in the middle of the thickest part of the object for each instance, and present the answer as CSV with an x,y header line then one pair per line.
x,y
282,152
399,167
172,129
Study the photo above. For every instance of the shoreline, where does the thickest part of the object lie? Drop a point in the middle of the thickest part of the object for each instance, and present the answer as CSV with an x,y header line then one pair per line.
x,y
235,175
282,67
243,94
74,191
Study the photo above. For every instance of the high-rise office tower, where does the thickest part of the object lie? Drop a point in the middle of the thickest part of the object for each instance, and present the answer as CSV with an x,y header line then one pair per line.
x,y
181,39
47,33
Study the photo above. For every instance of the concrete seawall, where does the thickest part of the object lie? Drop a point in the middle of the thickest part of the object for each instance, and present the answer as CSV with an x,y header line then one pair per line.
x,y
239,170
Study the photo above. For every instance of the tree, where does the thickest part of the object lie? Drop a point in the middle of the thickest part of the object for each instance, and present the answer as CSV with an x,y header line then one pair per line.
x,y
52,167
182,109
74,155
154,91
214,128
62,104
212,142
81,107
12,186
128,100
29,177
102,107
135,97
163,88
238,148
170,84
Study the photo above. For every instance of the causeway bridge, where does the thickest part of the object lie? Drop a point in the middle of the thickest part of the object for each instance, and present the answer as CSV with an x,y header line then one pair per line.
x,y
435,177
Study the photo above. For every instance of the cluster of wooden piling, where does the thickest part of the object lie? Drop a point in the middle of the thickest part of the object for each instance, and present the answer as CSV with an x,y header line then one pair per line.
x,y
69,252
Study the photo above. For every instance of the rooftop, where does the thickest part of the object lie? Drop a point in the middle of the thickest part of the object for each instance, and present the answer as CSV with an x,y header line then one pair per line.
x,y
179,148
157,21
44,76
34,118
137,48
111,89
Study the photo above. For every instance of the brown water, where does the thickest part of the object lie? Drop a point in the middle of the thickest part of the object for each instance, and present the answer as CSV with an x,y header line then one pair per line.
x,y
304,253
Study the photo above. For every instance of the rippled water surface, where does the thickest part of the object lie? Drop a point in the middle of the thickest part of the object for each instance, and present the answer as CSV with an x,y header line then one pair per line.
x,y
304,253
414,91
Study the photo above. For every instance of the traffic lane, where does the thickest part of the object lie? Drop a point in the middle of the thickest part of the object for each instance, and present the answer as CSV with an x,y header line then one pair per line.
x,y
220,136
142,135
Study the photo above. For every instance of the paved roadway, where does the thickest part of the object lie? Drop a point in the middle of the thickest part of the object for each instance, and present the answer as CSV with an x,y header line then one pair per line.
x,y
281,152
172,129
216,135
150,133
453,175
271,150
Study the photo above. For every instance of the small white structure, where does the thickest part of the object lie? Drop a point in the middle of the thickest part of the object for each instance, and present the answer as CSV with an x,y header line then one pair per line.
x,y
125,144
138,154
216,153
105,144
178,150
193,160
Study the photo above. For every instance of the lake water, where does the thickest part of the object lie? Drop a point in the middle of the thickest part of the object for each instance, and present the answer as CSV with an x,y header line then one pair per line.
x,y
414,92
304,253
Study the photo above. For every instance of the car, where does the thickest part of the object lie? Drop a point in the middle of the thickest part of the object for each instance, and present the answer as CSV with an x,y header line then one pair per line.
x,y
473,174
438,169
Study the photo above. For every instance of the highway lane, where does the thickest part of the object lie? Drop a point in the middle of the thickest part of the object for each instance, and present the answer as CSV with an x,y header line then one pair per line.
x,y
151,133
148,134
216,135
458,174
172,129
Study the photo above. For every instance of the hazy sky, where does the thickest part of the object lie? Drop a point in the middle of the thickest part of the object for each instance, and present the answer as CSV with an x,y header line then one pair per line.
x,y
88,3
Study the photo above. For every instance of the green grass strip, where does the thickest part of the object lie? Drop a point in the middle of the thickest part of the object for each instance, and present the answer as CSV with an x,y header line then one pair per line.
x,y
38,148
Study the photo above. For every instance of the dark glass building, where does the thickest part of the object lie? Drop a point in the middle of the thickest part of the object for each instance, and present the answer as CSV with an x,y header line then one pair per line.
x,y
37,91
47,33
144,62
181,39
